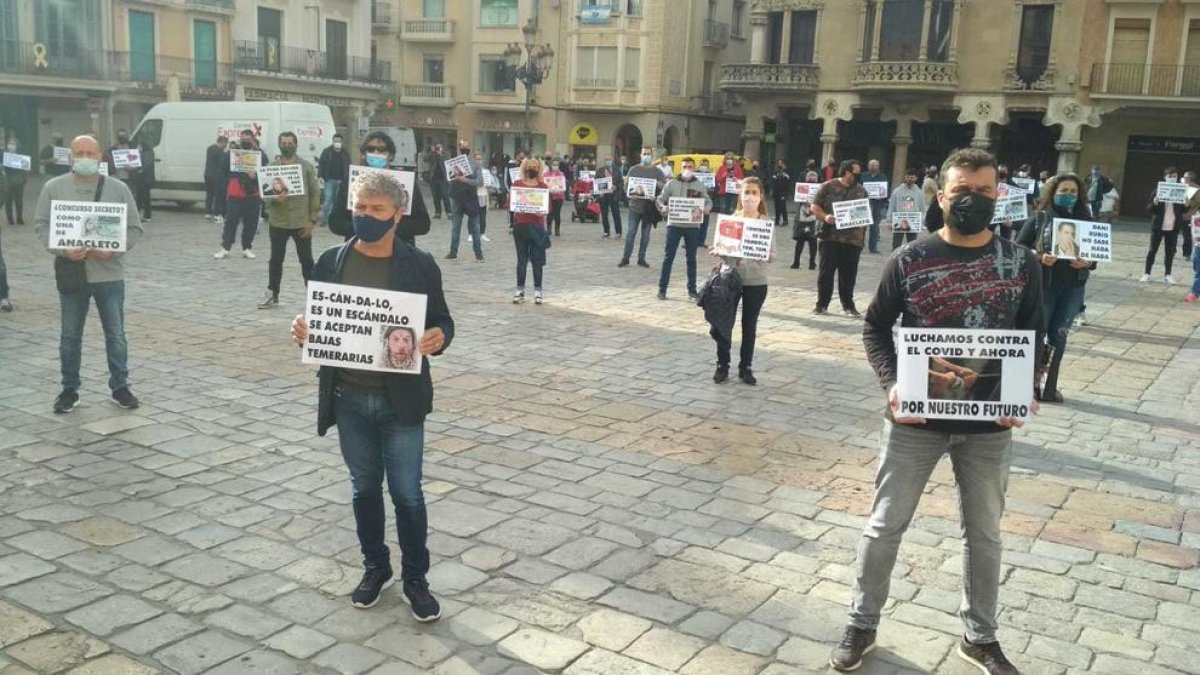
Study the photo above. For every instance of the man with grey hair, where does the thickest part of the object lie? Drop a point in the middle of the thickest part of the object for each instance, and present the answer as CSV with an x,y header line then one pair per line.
x,y
380,416
83,274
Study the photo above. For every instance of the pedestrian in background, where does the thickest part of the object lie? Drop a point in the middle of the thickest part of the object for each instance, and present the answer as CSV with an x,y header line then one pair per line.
x,y
906,197
291,218
333,164
840,248
243,205
1167,220
804,230
751,204
530,234
782,190
216,165
878,205
14,193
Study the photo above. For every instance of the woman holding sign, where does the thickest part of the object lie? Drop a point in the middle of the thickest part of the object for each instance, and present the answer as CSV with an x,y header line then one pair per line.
x,y
529,234
754,291
1168,221
1063,278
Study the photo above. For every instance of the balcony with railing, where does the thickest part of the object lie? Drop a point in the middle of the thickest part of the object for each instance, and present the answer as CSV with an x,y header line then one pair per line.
x,y
222,6
265,57
1145,81
716,34
428,30
908,46
427,95
906,75
73,61
381,16
198,80
770,77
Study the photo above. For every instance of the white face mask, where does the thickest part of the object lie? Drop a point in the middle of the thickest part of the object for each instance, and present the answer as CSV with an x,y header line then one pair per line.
x,y
1172,179
686,174
750,202
337,145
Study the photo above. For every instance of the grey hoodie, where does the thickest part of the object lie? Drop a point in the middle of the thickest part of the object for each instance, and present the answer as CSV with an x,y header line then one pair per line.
x,y
679,188
67,188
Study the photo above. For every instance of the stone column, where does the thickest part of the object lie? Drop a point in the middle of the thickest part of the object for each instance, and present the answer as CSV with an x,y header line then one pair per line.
x,y
1068,155
752,144
758,37
900,161
983,135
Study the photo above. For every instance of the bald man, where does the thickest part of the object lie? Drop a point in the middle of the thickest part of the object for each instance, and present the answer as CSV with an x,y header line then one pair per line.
x,y
102,278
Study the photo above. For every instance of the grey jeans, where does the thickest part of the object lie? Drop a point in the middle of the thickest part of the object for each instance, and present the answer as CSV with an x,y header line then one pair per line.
x,y
907,457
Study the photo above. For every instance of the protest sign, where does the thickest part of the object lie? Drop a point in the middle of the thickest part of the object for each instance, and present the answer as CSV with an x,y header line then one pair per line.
x,y
1027,184
688,210
587,176
642,188
19,162
514,174
1080,239
876,189
98,225
529,200
405,179
127,158
964,374
1011,208
853,213
458,166
602,186
281,180
1196,228
62,156
490,181
907,221
1171,193
1191,192
708,180
806,191
556,183
364,328
233,130
733,186
244,161
103,168
738,237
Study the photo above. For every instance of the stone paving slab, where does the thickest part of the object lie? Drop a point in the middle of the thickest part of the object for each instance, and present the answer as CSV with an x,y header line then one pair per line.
x,y
596,504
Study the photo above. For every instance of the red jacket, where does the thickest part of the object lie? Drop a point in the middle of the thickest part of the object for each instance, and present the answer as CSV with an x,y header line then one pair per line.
x,y
723,173
538,219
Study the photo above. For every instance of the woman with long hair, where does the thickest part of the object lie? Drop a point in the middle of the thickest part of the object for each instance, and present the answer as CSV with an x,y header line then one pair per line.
x,y
751,204
1063,279
804,230
529,234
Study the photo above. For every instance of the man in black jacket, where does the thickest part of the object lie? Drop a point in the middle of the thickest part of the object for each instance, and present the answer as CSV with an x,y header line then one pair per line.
x,y
438,185
381,416
416,223
214,191
333,164
243,204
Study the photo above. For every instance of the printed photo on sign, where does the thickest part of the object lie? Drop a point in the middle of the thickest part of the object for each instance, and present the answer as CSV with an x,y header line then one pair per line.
x,y
458,166
642,188
587,176
738,237
1196,228
602,186
529,200
1011,208
1171,193
490,181
806,191
281,180
244,161
19,162
364,328
1081,239
708,180
98,225
404,179
1027,184
854,213
733,186
556,183
907,221
963,374
685,210
876,189
233,130
127,158
62,156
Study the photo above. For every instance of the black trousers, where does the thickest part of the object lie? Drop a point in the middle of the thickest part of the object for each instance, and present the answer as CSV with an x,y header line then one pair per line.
x,y
609,204
279,240
142,199
842,260
781,217
1156,238
752,301
441,198
14,195
555,218
812,251
900,238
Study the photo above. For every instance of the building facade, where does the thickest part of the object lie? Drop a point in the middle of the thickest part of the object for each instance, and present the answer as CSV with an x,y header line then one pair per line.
x,y
624,73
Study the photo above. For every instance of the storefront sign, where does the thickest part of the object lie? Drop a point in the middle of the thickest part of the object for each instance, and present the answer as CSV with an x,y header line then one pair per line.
x,y
583,134
331,101
595,14
1166,144
266,95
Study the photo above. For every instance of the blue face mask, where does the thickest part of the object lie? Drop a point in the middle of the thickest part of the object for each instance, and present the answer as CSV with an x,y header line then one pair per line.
x,y
646,160
372,229
376,160
1065,201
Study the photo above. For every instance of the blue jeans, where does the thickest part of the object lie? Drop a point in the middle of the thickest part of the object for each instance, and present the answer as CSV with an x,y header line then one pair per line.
x,y
907,457
375,446
1060,304
691,241
110,303
1195,271
528,252
246,212
636,222
328,194
609,204
3,277
456,218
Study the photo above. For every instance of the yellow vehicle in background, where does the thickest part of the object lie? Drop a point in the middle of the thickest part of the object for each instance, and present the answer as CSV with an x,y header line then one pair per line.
x,y
714,161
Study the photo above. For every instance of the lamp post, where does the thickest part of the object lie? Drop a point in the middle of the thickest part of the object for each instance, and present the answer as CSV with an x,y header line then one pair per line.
x,y
532,72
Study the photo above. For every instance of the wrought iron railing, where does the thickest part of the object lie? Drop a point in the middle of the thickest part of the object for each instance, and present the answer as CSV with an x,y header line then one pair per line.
x,y
770,76
1143,79
266,56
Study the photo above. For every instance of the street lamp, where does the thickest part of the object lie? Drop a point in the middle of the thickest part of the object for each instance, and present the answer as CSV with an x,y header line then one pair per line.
x,y
531,73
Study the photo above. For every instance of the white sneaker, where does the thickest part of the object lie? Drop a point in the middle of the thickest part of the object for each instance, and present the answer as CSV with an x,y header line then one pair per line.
x,y
1145,279
218,219
221,255
537,297
1169,280
247,253
269,300
484,238
470,239
208,217
518,297
1082,319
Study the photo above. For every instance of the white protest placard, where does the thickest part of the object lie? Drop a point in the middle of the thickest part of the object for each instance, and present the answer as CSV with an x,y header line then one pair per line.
x,y
1191,192
733,186
1027,184
490,181
458,166
514,174
876,189
688,210
965,374
62,156
127,158
98,225
1081,239
1011,208
806,191
603,186
907,221
405,179
852,213
364,328
233,130
1196,228
529,200
103,168
20,162
243,161
587,176
557,183
707,179
281,180
641,188
738,237
1171,193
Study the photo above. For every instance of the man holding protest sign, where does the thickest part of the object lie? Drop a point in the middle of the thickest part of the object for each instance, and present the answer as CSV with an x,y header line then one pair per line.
x,y
1167,209
965,277
685,201
876,183
381,415
841,243
906,209
292,216
642,184
239,178
84,272
465,176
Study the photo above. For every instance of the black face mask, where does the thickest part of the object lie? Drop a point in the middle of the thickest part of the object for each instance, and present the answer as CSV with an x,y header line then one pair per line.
x,y
971,213
531,173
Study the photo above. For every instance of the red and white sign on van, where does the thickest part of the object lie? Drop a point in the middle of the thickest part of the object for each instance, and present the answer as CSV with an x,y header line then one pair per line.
x,y
310,132
232,130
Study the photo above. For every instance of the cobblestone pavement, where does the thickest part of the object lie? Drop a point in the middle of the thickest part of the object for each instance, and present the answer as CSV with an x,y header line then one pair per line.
x,y
597,504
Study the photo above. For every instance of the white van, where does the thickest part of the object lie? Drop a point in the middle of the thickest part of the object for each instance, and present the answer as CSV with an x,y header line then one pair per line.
x,y
180,134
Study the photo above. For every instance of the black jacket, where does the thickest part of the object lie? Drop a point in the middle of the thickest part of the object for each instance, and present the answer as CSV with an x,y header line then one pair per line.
x,y
213,159
1038,234
411,226
411,271
1158,211
333,164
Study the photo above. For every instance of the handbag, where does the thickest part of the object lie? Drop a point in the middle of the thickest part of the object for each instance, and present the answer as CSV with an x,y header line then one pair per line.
x,y
70,276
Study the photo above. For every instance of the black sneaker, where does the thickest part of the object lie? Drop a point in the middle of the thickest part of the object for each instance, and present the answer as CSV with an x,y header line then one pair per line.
x,y
721,375
66,401
643,263
662,295
125,398
478,257
819,310
848,655
747,375
693,295
374,580
425,607
988,658
623,263
451,256
850,311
